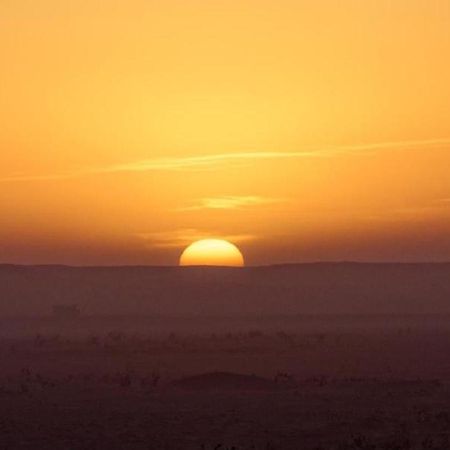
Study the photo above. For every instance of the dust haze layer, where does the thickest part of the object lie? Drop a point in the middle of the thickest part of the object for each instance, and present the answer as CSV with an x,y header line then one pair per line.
x,y
325,288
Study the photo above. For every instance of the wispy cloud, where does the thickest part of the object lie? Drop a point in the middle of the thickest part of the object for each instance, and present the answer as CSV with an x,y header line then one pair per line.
x,y
208,162
183,237
230,202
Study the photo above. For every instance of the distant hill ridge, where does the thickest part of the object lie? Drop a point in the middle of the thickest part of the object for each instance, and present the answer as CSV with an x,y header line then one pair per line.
x,y
313,288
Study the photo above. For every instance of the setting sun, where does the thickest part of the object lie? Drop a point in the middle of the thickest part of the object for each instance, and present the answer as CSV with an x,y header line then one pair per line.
x,y
212,252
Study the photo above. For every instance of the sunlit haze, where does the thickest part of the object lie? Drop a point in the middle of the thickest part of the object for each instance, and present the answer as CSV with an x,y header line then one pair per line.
x,y
298,130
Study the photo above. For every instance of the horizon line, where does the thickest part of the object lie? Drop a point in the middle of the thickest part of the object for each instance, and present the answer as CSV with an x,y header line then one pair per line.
x,y
249,266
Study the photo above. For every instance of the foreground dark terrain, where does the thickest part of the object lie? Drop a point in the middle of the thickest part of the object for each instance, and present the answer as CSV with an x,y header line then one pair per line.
x,y
336,382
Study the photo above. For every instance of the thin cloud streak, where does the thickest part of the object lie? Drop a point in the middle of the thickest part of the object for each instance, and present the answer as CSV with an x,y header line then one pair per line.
x,y
231,202
193,162
207,162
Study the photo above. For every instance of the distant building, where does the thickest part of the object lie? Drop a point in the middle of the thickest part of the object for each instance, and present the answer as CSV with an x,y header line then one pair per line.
x,y
66,311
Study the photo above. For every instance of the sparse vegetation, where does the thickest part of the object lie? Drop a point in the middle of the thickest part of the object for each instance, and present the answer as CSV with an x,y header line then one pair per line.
x,y
327,391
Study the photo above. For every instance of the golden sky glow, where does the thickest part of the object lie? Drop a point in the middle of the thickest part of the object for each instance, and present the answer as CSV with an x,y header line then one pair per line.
x,y
300,130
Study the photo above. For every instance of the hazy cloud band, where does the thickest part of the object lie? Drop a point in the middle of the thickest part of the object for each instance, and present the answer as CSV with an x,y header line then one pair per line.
x,y
210,161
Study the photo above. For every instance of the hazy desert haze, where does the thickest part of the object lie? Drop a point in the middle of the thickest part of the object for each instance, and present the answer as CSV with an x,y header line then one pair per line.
x,y
286,289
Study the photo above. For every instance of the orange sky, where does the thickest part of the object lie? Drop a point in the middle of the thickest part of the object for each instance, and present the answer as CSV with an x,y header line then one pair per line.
x,y
300,130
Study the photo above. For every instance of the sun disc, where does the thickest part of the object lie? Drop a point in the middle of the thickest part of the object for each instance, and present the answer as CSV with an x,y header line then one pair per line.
x,y
212,252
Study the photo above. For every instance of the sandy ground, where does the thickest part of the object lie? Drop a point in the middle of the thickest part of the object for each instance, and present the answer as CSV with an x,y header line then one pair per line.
x,y
352,389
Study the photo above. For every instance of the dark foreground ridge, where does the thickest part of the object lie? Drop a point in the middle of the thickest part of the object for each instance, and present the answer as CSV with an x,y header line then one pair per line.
x,y
321,288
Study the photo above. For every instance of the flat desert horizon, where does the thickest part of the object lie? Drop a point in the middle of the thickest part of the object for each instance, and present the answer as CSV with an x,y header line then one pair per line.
x,y
319,288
